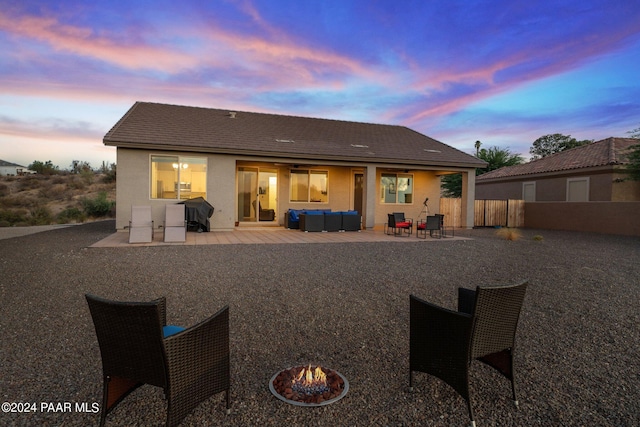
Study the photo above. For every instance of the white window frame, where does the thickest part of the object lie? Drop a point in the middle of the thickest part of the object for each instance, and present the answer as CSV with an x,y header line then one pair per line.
x,y
581,179
527,183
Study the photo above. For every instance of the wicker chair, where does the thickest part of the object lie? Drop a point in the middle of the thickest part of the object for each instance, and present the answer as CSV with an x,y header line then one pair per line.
x,y
138,348
398,224
443,343
431,224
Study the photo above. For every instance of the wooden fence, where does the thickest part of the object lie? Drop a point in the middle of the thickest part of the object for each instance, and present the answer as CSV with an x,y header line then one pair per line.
x,y
488,213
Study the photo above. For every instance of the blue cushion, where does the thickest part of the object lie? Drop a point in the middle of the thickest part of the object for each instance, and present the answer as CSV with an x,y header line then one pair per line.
x,y
350,213
333,213
293,215
169,330
313,212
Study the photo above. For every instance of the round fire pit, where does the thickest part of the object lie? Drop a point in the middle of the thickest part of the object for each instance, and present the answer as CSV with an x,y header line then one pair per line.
x,y
309,386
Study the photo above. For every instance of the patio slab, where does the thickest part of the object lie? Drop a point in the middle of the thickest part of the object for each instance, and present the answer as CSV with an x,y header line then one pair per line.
x,y
266,235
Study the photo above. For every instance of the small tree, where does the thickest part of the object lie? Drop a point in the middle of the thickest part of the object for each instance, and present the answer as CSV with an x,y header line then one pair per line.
x,y
551,144
46,168
496,158
634,157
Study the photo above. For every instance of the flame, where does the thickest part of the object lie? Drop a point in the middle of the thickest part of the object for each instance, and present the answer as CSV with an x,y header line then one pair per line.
x,y
308,377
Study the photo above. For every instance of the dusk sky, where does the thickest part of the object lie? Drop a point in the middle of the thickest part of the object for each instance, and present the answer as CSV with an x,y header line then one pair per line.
x,y
504,72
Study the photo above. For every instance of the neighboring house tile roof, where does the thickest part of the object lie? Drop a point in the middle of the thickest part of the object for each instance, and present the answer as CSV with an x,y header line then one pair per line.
x,y
5,163
172,127
607,152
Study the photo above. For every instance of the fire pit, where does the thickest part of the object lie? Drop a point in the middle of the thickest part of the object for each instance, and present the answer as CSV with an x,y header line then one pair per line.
x,y
309,386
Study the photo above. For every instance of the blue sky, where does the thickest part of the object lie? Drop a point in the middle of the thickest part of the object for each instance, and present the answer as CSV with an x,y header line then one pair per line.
x,y
502,72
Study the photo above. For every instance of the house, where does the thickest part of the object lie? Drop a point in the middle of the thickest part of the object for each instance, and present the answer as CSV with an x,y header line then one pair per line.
x,y
583,188
253,167
592,172
8,168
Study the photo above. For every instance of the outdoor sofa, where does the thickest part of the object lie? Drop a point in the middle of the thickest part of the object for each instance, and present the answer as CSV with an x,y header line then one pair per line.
x,y
322,220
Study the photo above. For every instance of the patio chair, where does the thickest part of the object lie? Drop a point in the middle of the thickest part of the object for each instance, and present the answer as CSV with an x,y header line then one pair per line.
x,y
443,343
431,224
141,225
398,224
175,224
443,228
137,348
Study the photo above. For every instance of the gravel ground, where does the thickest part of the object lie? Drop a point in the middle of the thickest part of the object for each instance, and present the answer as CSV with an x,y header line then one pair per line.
x,y
345,306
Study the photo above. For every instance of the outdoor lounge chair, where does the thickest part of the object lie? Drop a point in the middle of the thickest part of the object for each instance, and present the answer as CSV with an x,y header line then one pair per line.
x,y
443,228
443,343
137,348
141,225
431,224
398,224
175,224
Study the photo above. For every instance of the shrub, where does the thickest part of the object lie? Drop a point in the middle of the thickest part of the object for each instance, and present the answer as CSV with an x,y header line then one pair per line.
x,y
99,206
4,223
538,238
509,233
13,217
4,190
70,215
40,215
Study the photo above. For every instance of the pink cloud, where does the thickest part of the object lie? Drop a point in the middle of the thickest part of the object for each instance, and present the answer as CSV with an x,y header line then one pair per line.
x,y
84,42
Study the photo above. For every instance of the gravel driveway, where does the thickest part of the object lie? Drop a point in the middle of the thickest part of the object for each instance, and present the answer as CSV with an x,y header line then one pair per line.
x,y
345,306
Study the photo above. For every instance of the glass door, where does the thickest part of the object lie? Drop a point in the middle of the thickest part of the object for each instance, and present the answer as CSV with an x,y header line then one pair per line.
x,y
257,194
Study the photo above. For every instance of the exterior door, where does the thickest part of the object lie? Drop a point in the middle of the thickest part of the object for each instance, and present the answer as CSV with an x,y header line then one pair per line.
x,y
358,194
257,191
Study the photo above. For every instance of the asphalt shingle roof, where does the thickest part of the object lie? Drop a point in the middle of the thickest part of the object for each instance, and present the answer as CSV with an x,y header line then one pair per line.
x,y
610,151
171,127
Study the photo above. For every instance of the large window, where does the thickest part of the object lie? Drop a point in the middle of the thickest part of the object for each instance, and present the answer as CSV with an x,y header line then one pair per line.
x,y
177,177
396,188
309,186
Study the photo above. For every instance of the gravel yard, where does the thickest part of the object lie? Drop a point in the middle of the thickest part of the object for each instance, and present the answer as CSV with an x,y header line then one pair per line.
x,y
345,306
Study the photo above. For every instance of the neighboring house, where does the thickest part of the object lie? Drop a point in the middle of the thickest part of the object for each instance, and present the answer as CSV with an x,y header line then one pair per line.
x,y
7,168
245,164
581,189
590,173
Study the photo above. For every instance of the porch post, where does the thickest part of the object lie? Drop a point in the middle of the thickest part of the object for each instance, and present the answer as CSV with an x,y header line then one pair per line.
x,y
370,199
468,198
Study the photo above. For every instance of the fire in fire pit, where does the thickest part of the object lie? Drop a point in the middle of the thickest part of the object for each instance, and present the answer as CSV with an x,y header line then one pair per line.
x,y
307,386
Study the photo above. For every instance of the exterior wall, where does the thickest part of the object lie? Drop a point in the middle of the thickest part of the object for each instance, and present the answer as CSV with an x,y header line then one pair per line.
x,y
598,217
425,184
603,187
133,187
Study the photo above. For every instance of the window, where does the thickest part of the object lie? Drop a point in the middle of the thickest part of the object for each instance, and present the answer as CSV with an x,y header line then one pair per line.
x,y
529,191
309,186
578,190
177,177
396,188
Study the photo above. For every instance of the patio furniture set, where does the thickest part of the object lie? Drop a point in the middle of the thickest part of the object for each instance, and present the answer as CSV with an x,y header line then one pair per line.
x,y
192,364
399,226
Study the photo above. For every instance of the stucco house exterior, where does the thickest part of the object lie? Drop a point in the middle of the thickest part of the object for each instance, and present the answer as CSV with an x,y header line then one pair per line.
x,y
246,164
589,173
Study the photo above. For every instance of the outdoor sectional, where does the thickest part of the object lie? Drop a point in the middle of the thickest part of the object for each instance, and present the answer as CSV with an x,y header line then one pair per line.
x,y
322,220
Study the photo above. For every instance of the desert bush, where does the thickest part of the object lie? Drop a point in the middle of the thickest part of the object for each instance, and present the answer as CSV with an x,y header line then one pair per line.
x,y
4,223
77,183
509,233
13,216
17,201
28,183
99,206
4,190
87,176
71,215
53,192
40,215
538,238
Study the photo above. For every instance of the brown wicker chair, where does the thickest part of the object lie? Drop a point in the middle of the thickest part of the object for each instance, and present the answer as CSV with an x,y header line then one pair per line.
x,y
431,224
443,343
138,348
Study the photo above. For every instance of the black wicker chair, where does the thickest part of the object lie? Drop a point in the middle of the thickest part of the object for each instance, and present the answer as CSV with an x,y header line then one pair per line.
x,y
443,343
398,224
138,348
431,224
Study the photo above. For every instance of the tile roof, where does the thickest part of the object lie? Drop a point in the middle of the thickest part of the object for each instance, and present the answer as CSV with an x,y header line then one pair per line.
x,y
5,163
610,151
171,127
